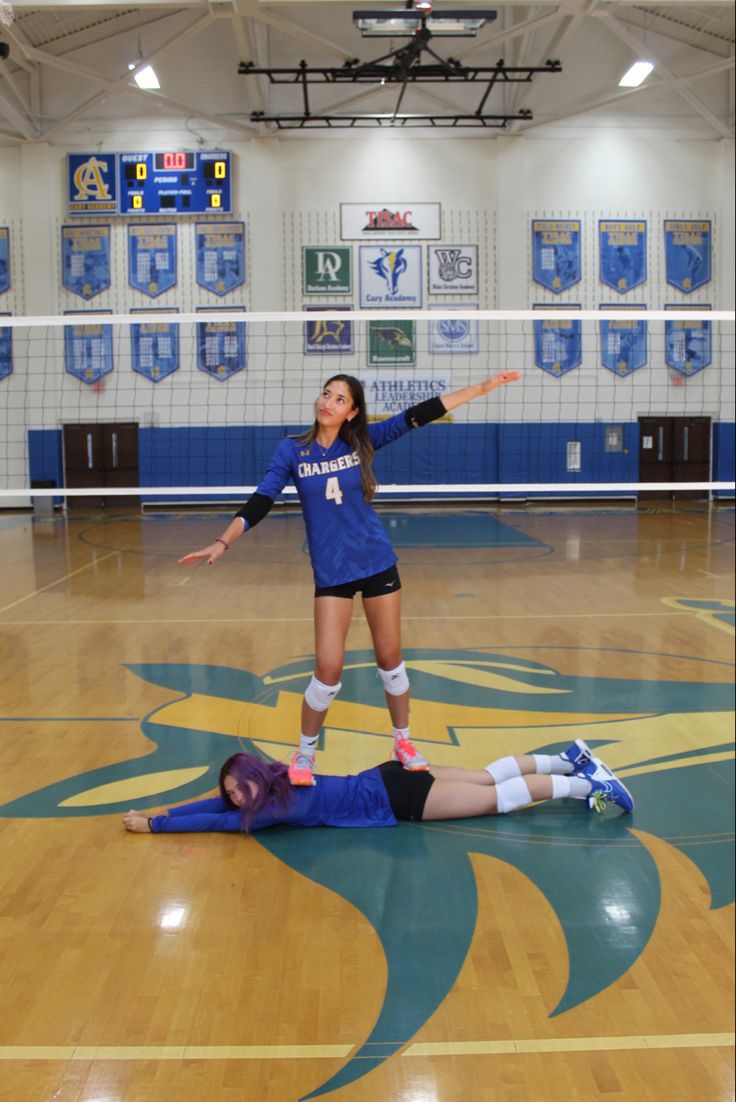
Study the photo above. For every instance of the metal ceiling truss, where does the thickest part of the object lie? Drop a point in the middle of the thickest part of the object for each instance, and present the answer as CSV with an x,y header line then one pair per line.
x,y
400,67
402,72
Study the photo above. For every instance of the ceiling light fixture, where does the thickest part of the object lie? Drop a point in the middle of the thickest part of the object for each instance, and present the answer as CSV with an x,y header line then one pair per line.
x,y
146,78
405,23
636,75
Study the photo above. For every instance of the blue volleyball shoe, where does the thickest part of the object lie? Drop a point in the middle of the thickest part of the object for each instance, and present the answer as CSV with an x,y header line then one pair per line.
x,y
578,754
609,791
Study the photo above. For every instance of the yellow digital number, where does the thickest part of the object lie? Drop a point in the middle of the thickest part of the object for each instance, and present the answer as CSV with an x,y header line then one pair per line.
x,y
220,170
137,202
141,170
215,200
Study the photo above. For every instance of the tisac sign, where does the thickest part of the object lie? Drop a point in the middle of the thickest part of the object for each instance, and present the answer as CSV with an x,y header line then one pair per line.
x,y
365,220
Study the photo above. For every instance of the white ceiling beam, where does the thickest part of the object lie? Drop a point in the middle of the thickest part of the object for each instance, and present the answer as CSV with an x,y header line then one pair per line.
x,y
245,40
617,97
253,10
16,119
572,18
524,27
638,49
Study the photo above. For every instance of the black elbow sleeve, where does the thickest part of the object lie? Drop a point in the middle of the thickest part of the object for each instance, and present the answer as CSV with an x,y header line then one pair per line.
x,y
424,413
255,509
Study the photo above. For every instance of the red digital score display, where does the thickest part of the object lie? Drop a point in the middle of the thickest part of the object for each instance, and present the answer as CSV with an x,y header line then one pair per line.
x,y
181,161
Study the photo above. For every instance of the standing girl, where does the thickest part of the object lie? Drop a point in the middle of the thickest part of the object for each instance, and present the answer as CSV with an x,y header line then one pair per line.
x,y
331,467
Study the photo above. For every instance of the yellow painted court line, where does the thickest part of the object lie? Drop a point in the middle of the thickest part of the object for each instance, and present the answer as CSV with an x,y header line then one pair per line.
x,y
340,1052
598,615
570,1044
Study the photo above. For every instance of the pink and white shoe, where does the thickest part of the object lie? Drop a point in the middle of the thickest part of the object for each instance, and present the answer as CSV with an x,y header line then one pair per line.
x,y
301,770
406,752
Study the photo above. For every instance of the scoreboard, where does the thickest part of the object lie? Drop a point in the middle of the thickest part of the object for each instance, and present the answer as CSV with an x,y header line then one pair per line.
x,y
166,182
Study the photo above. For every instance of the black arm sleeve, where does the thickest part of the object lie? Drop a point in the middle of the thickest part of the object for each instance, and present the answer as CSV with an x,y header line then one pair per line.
x,y
424,413
255,509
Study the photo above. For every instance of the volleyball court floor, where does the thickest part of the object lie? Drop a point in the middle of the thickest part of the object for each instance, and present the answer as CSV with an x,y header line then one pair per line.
x,y
552,953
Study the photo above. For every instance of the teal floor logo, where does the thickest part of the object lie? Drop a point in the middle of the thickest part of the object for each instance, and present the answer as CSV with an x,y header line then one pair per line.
x,y
468,708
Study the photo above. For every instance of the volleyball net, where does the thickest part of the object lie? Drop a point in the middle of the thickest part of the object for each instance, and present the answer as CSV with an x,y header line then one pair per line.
x,y
166,408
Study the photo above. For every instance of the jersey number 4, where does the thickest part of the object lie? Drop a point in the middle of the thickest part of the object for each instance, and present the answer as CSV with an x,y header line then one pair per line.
x,y
333,491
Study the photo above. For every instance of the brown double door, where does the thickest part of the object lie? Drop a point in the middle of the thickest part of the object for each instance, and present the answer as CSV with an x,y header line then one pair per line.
x,y
104,456
674,449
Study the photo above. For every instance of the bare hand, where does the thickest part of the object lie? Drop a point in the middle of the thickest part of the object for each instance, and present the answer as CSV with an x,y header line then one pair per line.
x,y
136,823
501,379
211,553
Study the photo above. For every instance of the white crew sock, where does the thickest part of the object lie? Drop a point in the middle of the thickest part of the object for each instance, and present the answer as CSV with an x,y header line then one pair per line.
x,y
577,787
553,763
308,746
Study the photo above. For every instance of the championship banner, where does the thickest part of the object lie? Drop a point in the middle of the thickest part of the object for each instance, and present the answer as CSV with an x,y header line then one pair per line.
x,y
152,258
4,259
390,276
387,396
154,346
687,254
448,336
88,349
622,254
220,250
453,269
623,343
85,259
688,344
391,344
328,336
92,184
6,349
557,344
327,270
372,219
556,254
221,351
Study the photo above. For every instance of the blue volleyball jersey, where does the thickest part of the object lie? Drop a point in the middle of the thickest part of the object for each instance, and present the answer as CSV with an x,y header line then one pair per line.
x,y
355,801
346,539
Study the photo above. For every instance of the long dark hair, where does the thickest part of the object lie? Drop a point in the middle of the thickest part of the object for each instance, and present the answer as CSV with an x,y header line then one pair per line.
x,y
272,778
354,433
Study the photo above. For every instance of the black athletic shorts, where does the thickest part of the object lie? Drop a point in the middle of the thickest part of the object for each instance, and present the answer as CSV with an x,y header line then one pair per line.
x,y
407,790
388,581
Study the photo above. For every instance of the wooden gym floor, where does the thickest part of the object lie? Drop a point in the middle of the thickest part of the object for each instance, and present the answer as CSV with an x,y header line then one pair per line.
x,y
550,954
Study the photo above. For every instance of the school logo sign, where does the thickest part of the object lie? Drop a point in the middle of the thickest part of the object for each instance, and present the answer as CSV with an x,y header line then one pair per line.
x,y
91,184
453,270
390,276
327,271
361,220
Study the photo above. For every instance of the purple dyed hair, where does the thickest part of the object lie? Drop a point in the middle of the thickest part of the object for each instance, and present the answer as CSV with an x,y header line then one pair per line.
x,y
272,778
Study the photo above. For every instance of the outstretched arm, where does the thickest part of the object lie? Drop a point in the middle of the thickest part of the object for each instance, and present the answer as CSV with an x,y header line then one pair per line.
x,y
460,397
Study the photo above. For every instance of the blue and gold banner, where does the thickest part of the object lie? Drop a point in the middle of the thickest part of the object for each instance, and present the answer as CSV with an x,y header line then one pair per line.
x,y
4,259
88,348
688,344
6,350
623,343
85,259
623,254
327,336
556,253
220,256
221,350
152,258
154,346
687,254
557,344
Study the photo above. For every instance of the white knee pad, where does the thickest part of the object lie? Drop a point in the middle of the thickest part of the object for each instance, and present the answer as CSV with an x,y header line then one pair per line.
x,y
319,696
395,682
512,794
